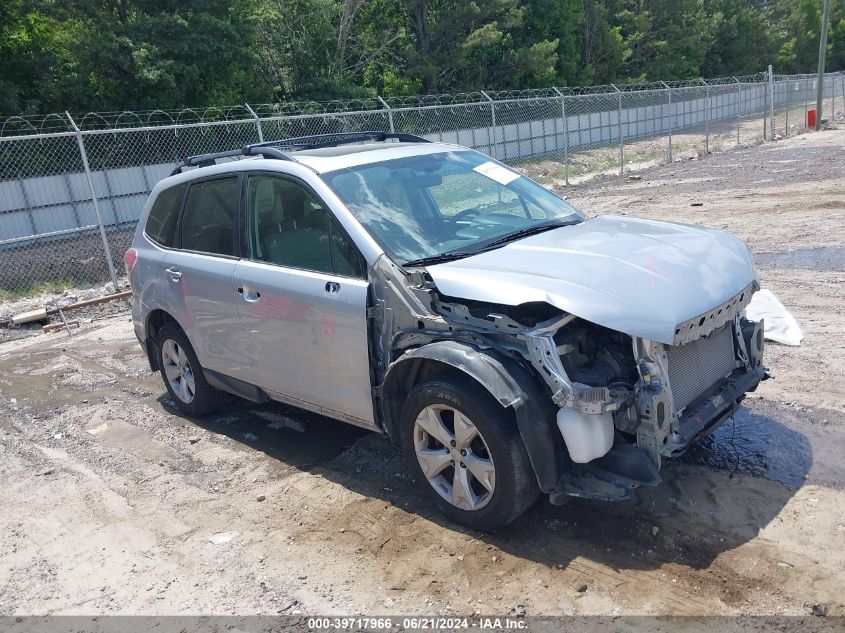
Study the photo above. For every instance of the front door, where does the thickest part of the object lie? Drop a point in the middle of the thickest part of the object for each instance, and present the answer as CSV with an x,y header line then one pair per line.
x,y
302,301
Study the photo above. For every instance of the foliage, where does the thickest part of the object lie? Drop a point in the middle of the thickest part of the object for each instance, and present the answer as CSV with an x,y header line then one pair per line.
x,y
144,54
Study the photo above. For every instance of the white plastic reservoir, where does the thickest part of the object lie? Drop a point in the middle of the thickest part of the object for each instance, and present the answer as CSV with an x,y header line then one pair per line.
x,y
587,437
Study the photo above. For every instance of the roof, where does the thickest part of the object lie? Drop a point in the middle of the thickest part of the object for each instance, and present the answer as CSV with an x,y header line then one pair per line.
x,y
326,159
326,152
318,160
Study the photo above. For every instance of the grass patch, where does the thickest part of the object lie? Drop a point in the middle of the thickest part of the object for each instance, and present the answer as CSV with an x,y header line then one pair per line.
x,y
56,286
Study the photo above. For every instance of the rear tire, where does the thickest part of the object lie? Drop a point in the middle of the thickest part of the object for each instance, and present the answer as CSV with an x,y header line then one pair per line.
x,y
182,373
466,453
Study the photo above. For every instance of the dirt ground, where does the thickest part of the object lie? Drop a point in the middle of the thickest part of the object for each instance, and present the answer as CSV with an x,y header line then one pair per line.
x,y
114,503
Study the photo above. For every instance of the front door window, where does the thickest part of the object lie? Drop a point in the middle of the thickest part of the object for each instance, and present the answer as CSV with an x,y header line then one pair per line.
x,y
289,226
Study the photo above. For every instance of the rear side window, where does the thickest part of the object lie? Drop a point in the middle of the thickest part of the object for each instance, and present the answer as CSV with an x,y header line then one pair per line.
x,y
161,223
208,223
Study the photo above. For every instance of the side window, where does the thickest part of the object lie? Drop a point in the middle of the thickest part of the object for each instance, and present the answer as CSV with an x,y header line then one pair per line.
x,y
464,191
290,227
347,260
208,223
161,223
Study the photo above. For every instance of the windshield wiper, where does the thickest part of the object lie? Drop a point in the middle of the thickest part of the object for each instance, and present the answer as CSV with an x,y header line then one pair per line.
x,y
524,232
451,256
438,259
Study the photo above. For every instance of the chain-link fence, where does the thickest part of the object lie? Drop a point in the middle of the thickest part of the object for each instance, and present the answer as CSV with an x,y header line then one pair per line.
x,y
72,187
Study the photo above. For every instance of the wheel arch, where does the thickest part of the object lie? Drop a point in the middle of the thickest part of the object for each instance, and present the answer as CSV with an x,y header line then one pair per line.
x,y
507,382
155,320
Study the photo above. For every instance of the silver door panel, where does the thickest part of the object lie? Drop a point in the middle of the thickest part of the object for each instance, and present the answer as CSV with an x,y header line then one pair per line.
x,y
200,294
307,335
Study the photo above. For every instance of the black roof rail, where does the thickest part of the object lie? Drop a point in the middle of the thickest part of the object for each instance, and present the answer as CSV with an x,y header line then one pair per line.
x,y
316,141
270,149
206,160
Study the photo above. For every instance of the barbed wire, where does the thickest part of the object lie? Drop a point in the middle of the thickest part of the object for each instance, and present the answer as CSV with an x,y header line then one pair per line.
x,y
70,200
51,123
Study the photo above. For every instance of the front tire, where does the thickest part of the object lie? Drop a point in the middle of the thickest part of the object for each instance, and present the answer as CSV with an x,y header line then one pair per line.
x,y
182,373
466,454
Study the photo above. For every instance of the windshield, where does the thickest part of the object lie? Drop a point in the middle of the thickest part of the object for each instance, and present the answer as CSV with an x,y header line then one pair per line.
x,y
451,202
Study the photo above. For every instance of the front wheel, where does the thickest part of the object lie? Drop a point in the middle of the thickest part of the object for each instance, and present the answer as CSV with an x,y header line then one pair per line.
x,y
466,453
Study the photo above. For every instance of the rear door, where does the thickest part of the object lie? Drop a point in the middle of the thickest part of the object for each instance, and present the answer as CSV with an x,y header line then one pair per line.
x,y
154,243
199,275
302,301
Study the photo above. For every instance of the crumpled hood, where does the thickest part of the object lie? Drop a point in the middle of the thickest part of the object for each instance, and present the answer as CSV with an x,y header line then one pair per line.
x,y
640,277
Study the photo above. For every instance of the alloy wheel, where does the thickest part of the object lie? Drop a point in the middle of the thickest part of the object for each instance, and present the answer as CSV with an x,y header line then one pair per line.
x,y
454,457
177,370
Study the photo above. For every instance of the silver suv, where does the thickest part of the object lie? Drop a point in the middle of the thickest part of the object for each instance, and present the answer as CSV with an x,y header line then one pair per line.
x,y
426,291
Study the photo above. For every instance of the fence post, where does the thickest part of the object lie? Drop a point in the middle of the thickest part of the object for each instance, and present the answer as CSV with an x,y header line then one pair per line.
x,y
621,138
738,109
94,200
804,99
257,123
765,110
788,100
772,102
842,87
669,116
389,113
565,135
493,124
706,116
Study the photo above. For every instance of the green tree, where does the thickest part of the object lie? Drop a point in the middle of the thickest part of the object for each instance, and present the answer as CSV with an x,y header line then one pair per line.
x,y
604,49
796,30
741,44
473,45
835,59
662,40
558,21
149,54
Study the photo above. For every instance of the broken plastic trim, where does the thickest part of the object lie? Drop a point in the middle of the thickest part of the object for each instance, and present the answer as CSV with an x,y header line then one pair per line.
x,y
695,328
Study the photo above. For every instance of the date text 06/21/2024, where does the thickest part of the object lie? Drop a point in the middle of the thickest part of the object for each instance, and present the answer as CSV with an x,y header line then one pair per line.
x,y
418,623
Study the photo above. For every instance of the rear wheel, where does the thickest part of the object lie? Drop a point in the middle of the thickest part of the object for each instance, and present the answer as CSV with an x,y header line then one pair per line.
x,y
182,373
466,453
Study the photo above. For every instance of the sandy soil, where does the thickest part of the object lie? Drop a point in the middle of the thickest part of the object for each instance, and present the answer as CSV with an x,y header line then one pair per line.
x,y
114,503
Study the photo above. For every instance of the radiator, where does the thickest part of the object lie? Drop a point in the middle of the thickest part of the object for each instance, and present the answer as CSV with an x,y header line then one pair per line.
x,y
697,366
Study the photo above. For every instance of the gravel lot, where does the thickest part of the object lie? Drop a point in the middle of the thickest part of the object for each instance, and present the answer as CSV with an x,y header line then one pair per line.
x,y
114,503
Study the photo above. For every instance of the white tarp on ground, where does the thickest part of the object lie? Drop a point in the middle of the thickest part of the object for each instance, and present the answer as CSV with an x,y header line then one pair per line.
x,y
779,325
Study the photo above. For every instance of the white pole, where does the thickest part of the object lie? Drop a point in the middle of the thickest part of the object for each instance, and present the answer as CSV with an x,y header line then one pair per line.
x,y
94,200
772,102
257,121
389,113
493,124
669,116
621,138
565,136
822,52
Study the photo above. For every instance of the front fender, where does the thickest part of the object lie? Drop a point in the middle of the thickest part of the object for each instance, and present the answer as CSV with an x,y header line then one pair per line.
x,y
505,379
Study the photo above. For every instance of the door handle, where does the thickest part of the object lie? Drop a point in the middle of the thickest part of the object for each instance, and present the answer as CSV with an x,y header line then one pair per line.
x,y
249,294
174,273
332,287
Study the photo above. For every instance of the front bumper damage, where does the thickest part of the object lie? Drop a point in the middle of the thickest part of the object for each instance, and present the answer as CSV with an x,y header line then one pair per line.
x,y
614,476
525,364
662,431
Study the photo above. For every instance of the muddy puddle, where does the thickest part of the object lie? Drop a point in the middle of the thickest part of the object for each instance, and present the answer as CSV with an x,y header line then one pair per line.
x,y
778,443
828,258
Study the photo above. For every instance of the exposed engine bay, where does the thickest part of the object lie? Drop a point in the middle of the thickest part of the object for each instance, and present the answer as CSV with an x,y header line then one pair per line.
x,y
611,394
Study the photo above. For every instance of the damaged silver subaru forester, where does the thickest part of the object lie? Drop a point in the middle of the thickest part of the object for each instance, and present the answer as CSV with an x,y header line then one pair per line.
x,y
509,345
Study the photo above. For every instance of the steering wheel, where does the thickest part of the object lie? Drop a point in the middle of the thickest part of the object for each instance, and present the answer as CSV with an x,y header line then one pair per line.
x,y
466,213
